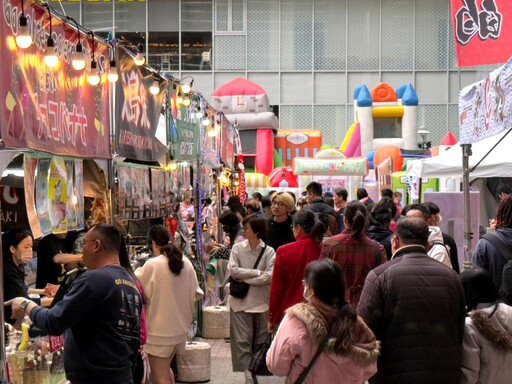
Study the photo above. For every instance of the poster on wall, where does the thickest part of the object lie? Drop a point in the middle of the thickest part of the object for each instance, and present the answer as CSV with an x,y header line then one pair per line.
x,y
58,195
125,199
75,195
51,109
42,197
79,193
29,168
185,147
158,193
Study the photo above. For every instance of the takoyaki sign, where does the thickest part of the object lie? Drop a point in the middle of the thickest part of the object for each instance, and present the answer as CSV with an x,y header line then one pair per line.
x,y
50,109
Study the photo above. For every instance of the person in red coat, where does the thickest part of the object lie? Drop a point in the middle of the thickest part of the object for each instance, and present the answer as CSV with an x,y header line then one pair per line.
x,y
354,251
286,288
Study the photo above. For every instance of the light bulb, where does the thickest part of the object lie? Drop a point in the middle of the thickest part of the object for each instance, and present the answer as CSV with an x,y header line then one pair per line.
x,y
23,39
139,58
179,98
155,88
199,114
186,101
206,121
185,88
51,59
211,132
112,75
173,165
78,61
94,76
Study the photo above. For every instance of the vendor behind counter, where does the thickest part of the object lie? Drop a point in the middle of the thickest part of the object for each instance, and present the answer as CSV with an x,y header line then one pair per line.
x,y
17,253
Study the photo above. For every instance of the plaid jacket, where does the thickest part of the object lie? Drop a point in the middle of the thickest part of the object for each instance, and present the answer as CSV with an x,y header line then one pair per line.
x,y
356,257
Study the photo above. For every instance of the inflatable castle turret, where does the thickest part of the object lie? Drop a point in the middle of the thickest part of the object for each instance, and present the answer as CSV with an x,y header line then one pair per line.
x,y
382,117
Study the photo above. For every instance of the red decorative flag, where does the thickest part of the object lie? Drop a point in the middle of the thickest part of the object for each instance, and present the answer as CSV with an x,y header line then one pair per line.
x,y
483,31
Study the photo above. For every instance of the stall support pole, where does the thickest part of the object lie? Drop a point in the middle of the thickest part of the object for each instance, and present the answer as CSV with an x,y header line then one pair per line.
x,y
468,235
3,355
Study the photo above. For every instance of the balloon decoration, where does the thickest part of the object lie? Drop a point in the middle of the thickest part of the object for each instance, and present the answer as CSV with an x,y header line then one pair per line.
x,y
386,151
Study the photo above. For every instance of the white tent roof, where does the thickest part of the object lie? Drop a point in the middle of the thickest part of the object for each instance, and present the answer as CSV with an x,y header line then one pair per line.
x,y
449,164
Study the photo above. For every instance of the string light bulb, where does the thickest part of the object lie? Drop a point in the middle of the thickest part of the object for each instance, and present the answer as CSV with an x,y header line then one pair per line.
x,y
78,61
155,88
139,58
94,75
198,113
186,101
179,97
50,58
173,165
112,75
206,120
23,38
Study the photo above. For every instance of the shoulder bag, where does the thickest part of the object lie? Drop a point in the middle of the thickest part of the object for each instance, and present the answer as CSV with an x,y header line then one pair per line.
x,y
239,289
306,370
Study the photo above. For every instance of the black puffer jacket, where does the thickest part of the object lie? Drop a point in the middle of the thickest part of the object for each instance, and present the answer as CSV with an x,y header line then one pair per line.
x,y
383,236
415,306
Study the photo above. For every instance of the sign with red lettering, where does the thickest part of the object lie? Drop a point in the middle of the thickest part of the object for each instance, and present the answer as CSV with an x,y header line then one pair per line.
x,y
482,30
53,110
56,343
138,111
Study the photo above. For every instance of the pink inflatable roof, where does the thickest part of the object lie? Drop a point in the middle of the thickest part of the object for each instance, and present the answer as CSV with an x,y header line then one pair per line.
x,y
239,86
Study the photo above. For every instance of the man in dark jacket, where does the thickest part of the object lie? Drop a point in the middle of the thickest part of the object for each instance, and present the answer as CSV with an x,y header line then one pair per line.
x,y
99,315
317,204
415,306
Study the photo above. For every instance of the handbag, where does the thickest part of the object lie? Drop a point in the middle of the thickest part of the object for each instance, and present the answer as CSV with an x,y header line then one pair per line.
x,y
306,370
258,364
239,289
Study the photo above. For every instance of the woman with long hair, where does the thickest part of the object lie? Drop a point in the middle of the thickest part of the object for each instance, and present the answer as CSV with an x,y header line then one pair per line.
x,y
249,315
171,287
487,345
291,260
326,324
354,251
17,253
234,205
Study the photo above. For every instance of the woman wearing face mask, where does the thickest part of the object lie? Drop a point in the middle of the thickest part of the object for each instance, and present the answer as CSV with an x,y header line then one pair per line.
x,y
326,324
17,251
171,287
291,260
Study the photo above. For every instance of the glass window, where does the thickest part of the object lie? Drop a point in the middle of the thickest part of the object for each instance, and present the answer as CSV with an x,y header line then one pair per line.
x,y
387,127
230,15
196,35
163,39
98,17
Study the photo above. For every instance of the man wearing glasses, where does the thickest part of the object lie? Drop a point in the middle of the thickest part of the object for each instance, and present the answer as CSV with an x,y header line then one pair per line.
x,y
99,316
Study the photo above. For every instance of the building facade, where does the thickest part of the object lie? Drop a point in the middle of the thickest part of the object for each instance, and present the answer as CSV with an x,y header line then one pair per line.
x,y
309,55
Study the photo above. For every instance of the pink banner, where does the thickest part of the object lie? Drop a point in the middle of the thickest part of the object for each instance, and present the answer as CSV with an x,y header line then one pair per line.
x,y
51,110
482,30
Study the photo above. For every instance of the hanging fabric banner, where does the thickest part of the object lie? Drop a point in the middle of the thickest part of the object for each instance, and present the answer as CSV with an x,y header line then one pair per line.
x,y
185,147
138,111
42,196
483,31
485,107
53,110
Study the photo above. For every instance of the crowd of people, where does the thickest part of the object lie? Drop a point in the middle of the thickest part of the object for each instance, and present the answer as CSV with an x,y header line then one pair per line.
x,y
369,290
349,291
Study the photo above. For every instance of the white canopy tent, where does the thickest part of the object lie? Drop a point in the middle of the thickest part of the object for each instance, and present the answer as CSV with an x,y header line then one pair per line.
x,y
491,155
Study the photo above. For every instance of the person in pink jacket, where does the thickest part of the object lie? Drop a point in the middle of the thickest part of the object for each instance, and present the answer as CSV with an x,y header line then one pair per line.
x,y
350,350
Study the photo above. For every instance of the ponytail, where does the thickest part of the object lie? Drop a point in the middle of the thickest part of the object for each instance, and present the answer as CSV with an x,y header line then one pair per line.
x,y
175,258
344,329
311,223
355,213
